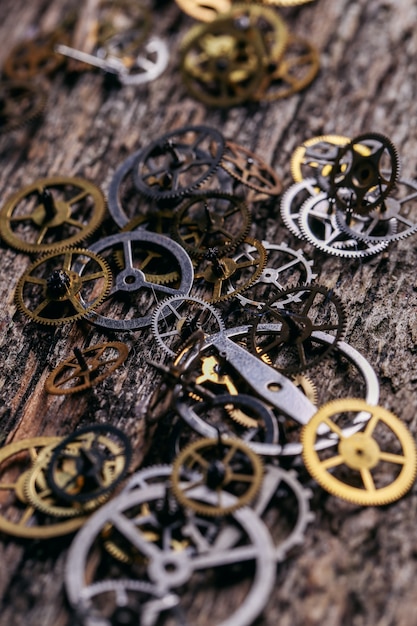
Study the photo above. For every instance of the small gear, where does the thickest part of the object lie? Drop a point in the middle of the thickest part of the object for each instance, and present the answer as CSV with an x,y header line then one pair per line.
x,y
177,163
223,277
315,156
87,368
51,214
360,183
291,344
250,170
319,225
211,220
204,10
354,471
307,386
176,318
88,464
293,72
36,56
20,102
223,465
51,292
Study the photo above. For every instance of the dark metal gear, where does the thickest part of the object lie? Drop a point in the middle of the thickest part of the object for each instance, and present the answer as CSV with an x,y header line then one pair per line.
x,y
289,341
178,162
20,102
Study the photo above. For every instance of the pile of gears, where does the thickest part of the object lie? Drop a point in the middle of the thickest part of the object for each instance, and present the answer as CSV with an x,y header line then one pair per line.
x,y
242,329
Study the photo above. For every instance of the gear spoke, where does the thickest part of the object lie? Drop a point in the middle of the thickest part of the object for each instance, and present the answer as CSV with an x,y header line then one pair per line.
x,y
332,462
367,479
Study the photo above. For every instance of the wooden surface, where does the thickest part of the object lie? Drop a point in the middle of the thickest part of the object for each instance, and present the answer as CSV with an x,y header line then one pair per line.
x,y
357,566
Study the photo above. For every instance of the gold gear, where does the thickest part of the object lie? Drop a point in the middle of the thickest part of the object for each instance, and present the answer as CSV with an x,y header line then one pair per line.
x,y
19,517
50,292
244,273
360,453
294,71
40,495
307,386
250,170
86,369
299,157
221,464
51,214
204,10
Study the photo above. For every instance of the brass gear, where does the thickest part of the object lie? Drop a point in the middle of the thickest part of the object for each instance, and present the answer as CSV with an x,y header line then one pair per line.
x,y
50,292
291,73
307,386
20,518
360,453
86,369
51,213
215,274
204,10
224,464
250,170
20,102
301,158
36,56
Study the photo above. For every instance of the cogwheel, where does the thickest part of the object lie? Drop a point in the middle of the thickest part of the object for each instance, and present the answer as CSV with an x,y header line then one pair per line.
x,y
317,152
51,214
50,292
384,469
250,170
20,103
224,465
216,274
307,386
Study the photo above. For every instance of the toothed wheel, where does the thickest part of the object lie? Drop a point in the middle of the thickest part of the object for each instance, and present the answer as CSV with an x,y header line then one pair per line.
x,y
289,341
360,183
20,102
51,292
51,214
222,465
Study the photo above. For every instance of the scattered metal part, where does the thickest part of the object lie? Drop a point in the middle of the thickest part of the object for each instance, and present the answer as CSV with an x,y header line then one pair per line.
x,y
293,200
132,284
250,170
318,224
242,539
177,317
178,162
20,102
35,57
204,10
51,214
52,291
361,453
291,346
86,368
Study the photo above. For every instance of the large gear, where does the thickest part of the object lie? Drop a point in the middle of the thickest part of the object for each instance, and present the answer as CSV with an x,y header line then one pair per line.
x,y
177,163
52,292
361,453
360,183
51,214
20,102
177,317
87,368
223,277
223,464
211,220
291,344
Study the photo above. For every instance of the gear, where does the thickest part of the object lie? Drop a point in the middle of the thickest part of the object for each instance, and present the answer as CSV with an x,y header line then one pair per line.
x,y
34,57
116,19
225,277
393,221
176,318
361,183
88,464
354,472
178,162
131,285
293,200
211,220
320,227
222,62
52,292
291,345
284,268
20,103
51,214
223,464
158,267
87,368
20,518
315,156
307,386
285,76
250,170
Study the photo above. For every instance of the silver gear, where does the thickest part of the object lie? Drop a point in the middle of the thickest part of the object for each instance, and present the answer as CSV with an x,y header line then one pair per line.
x,y
293,200
317,222
170,321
